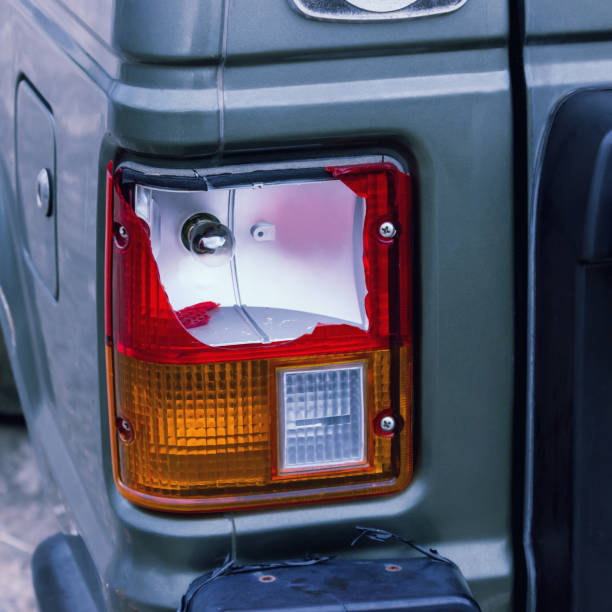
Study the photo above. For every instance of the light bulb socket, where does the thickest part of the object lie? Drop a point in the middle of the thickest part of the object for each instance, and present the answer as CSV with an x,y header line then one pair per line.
x,y
192,223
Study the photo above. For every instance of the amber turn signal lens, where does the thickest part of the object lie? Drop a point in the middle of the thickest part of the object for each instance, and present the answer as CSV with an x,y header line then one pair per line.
x,y
204,436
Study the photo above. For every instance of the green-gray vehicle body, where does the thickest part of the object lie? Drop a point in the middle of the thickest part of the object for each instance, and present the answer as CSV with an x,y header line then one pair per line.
x,y
208,82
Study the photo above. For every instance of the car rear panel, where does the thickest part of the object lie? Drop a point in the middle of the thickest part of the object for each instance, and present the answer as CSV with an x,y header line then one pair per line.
x,y
248,81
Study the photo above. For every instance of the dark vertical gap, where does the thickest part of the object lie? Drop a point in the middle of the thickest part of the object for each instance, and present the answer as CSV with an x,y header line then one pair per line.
x,y
516,42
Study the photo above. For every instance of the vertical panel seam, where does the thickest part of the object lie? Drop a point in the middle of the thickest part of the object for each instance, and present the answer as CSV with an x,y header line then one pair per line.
x,y
221,75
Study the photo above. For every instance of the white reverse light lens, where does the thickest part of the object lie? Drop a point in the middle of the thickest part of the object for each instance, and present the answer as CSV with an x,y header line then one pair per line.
x,y
322,415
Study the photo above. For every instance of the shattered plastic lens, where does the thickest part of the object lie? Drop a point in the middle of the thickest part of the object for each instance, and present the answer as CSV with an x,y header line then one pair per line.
x,y
298,259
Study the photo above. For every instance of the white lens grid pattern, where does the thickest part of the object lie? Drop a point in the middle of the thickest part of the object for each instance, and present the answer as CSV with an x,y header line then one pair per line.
x,y
322,413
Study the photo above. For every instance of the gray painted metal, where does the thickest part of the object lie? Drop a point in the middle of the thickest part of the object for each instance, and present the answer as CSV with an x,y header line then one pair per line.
x,y
210,79
9,401
567,48
548,19
35,150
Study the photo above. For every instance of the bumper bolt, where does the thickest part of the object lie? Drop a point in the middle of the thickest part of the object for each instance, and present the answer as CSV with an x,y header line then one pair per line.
x,y
267,578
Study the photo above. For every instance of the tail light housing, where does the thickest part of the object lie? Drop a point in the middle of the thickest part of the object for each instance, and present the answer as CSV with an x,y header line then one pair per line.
x,y
259,335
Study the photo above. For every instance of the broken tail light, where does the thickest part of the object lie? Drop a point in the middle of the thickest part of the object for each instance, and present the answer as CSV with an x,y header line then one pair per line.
x,y
259,341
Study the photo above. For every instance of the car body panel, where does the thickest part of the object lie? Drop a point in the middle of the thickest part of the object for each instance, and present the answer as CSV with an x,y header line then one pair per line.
x,y
567,51
229,81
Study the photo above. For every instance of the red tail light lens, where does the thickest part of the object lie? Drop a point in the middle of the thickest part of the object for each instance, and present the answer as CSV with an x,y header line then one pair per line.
x,y
258,332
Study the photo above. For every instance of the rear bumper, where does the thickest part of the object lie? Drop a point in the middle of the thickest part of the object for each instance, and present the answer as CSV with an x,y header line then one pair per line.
x,y
334,585
64,576
65,579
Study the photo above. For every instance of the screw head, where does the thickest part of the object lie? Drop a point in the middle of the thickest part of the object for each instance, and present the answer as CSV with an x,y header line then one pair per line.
x,y
387,230
125,430
387,423
122,236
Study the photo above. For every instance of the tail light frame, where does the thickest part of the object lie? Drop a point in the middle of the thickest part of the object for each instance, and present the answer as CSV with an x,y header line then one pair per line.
x,y
401,359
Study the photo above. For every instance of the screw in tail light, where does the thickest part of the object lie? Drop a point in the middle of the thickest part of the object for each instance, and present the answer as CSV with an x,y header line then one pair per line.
x,y
259,337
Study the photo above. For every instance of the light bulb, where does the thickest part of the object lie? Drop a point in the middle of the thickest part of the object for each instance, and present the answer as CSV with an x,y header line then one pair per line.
x,y
208,239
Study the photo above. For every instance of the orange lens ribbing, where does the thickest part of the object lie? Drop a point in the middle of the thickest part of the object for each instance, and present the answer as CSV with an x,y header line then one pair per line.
x,y
203,436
